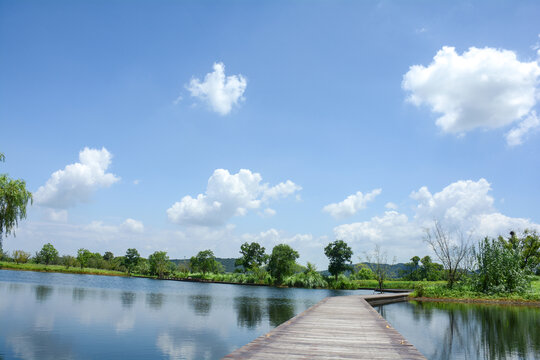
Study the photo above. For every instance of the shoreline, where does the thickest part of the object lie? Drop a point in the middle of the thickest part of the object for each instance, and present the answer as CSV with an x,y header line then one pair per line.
x,y
502,301
507,302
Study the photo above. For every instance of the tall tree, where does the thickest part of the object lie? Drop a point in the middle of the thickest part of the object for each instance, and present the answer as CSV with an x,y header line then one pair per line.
x,y
48,254
131,259
159,264
13,200
253,256
83,256
528,248
452,249
339,254
204,262
377,261
282,262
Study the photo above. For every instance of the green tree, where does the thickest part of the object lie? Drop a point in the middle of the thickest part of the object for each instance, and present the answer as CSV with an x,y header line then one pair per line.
x,y
13,201
339,254
131,259
159,264
83,256
253,256
430,271
20,256
108,256
48,254
204,262
362,272
68,261
282,262
528,248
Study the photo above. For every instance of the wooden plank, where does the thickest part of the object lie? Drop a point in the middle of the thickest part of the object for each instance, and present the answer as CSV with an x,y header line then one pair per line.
x,y
342,327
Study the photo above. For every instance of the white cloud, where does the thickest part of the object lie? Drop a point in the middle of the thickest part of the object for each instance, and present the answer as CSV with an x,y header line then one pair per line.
x,y
218,91
526,127
456,205
482,88
131,225
390,205
281,190
464,205
227,195
78,181
392,227
268,212
351,205
56,215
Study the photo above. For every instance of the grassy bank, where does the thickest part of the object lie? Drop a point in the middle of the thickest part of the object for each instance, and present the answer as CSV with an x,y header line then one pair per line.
x,y
392,284
463,292
58,269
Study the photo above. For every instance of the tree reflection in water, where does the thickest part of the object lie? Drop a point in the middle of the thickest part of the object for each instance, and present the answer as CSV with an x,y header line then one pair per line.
x,y
201,304
155,300
127,298
248,311
279,310
473,331
43,292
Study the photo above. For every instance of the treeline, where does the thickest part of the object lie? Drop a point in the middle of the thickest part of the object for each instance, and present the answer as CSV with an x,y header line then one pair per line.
x,y
502,265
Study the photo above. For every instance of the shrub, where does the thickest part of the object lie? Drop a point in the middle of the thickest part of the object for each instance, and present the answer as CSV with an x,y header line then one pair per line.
x,y
20,257
499,269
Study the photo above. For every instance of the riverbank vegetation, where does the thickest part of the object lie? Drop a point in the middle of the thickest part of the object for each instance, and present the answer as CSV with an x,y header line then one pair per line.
x,y
501,268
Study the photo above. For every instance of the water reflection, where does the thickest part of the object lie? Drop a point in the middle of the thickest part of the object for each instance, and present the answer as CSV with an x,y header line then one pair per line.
x,y
248,311
155,300
180,343
128,298
466,331
201,304
79,294
280,310
39,345
43,292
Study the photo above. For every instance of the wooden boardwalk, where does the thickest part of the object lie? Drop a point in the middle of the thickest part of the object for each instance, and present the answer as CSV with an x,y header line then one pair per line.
x,y
341,327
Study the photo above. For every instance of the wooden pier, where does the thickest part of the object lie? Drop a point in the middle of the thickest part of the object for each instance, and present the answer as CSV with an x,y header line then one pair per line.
x,y
341,327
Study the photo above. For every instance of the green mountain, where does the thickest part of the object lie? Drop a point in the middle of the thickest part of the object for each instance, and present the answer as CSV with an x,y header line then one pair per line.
x,y
228,263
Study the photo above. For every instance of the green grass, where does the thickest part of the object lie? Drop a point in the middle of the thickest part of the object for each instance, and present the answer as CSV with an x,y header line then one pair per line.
x,y
464,292
58,269
393,284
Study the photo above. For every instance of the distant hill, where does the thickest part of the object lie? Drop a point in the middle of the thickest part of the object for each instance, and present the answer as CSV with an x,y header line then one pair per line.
x,y
394,270
228,263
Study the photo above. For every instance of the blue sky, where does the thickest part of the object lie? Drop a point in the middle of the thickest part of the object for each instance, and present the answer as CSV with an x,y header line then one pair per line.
x,y
414,111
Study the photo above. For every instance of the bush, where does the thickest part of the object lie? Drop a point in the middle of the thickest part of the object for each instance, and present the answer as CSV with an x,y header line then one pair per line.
x,y
419,290
20,257
342,283
499,269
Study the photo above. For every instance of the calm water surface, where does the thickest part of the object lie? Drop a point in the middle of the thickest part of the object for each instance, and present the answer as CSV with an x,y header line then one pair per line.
x,y
467,331
63,316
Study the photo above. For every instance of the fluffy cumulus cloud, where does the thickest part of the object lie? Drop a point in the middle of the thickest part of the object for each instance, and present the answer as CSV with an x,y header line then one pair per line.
x,y
456,205
351,205
481,88
218,91
464,205
227,195
392,227
77,182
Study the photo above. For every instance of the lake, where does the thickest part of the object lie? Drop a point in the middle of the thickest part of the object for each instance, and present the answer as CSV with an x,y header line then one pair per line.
x,y
63,316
